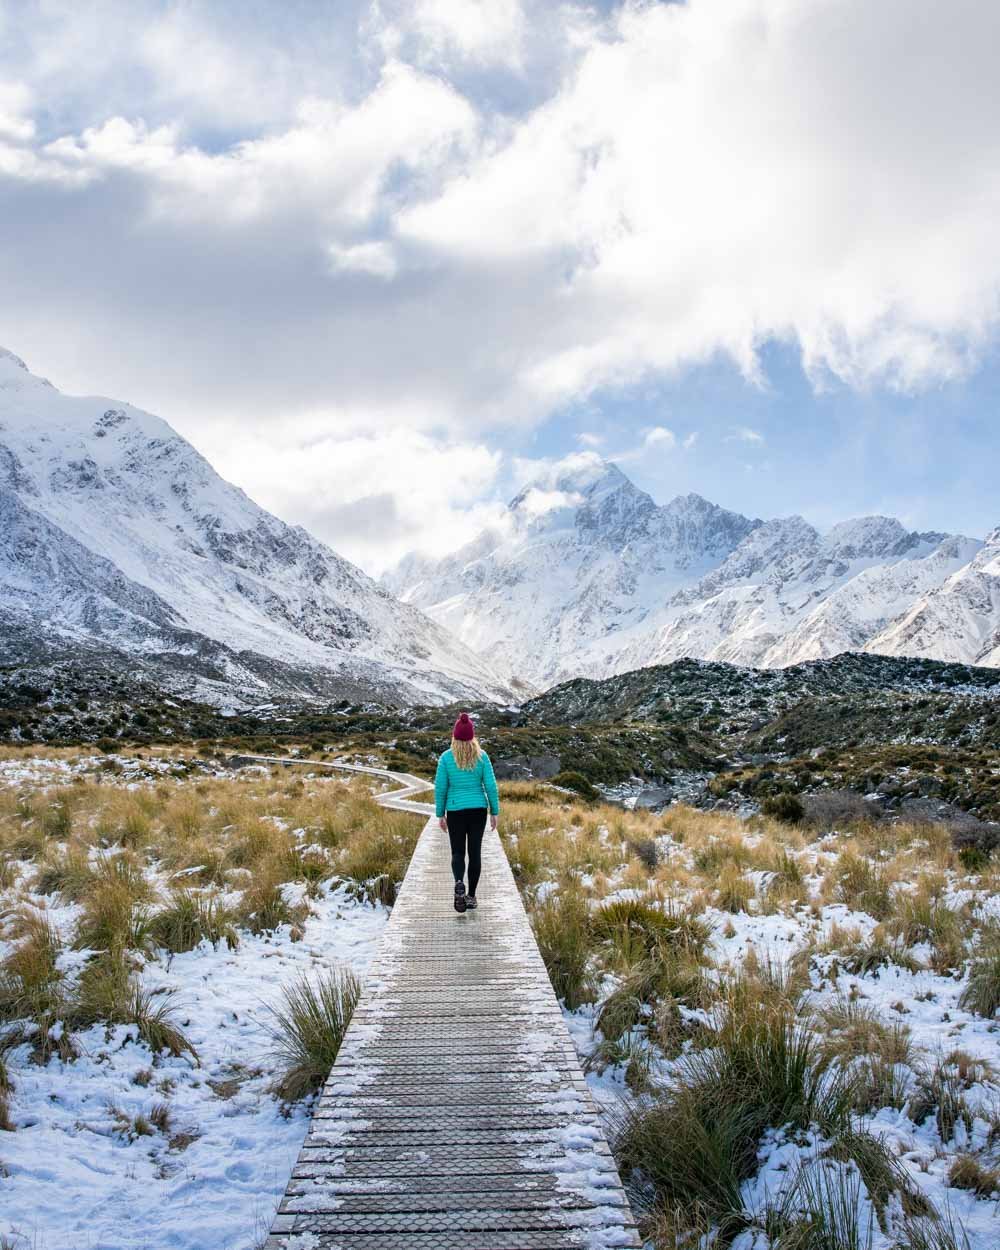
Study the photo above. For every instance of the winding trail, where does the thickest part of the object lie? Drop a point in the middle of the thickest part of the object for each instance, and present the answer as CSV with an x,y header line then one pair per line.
x,y
456,1113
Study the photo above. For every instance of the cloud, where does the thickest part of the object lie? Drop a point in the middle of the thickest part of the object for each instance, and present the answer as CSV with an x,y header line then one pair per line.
x,y
744,434
437,219
482,32
690,440
659,436
372,497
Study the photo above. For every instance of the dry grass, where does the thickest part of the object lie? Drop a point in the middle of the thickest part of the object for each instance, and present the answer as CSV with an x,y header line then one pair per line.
x,y
308,1029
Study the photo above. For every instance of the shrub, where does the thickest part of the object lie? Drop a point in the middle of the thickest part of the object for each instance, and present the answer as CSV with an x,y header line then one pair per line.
x,y
308,1030
784,807
576,782
835,809
562,930
644,849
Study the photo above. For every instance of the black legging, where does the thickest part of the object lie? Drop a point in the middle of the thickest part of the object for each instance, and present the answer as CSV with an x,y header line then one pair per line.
x,y
468,823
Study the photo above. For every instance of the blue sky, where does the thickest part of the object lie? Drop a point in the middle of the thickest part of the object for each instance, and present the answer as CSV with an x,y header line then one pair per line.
x,y
383,259
931,458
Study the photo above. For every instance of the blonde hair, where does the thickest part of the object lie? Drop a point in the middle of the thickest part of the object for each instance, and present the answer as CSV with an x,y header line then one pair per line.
x,y
466,753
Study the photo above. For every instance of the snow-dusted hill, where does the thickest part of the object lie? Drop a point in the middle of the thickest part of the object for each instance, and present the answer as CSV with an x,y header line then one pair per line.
x,y
587,576
113,527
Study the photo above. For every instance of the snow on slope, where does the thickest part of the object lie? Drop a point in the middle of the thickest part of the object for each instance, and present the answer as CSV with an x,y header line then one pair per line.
x,y
589,577
115,527
956,620
789,593
582,558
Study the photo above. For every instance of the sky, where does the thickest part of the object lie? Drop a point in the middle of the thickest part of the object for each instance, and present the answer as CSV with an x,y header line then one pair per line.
x,y
383,261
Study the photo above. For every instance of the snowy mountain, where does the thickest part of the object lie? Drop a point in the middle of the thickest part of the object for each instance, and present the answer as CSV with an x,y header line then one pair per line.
x,y
587,576
957,619
582,559
112,527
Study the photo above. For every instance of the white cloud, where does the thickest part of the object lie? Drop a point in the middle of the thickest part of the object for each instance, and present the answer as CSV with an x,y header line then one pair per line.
x,y
15,104
374,258
483,213
659,436
744,434
690,440
372,497
482,32
589,439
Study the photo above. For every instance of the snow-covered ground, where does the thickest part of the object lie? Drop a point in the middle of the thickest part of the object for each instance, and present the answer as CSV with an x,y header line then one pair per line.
x,y
925,1002
75,1175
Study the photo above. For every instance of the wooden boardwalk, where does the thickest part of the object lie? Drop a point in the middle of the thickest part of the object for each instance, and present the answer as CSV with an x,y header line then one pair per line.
x,y
456,1114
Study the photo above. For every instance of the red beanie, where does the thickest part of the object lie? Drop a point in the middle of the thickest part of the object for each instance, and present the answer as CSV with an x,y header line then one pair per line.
x,y
464,729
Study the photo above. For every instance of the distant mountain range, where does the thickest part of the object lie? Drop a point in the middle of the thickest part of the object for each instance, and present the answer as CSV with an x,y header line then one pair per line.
x,y
587,576
115,531
120,545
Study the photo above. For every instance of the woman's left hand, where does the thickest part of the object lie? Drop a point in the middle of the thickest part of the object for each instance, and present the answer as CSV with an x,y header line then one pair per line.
x,y
493,822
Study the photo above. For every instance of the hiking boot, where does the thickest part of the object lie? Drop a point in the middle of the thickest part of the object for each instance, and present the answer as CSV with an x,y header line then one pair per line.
x,y
460,900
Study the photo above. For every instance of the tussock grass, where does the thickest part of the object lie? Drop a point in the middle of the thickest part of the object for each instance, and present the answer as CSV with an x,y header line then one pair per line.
x,y
863,885
857,954
633,928
109,993
308,1029
925,917
695,1145
981,994
264,906
115,913
968,1172
32,994
190,918
941,1091
734,889
877,1054
67,872
562,930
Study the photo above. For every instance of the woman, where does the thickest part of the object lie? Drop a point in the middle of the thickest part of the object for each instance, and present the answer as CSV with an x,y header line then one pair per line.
x,y
464,789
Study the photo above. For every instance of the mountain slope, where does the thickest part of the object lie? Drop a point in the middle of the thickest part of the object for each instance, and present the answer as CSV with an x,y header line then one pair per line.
x,y
789,594
582,558
114,527
958,619
587,576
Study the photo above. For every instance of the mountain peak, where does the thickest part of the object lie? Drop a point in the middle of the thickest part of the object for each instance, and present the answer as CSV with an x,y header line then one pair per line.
x,y
9,357
579,476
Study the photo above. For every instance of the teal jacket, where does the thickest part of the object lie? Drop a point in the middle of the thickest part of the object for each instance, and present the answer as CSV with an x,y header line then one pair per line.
x,y
456,788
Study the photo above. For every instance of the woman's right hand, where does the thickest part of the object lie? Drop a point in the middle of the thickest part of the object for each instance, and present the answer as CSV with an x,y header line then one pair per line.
x,y
443,822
